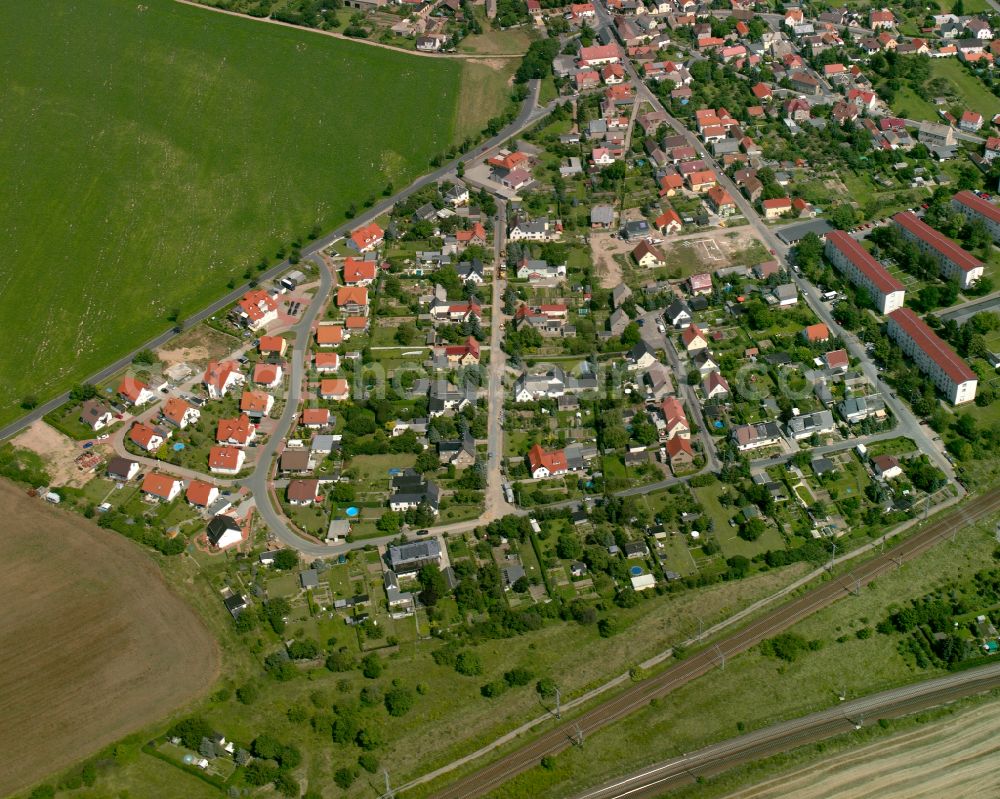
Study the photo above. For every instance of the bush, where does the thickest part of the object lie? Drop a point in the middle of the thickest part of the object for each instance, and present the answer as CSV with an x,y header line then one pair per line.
x,y
398,701
191,731
345,777
340,661
546,687
370,695
493,689
247,694
371,666
368,762
518,676
468,663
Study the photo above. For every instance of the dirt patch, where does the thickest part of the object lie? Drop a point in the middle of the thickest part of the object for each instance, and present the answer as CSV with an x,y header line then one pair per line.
x,y
956,757
604,247
720,248
197,346
93,645
58,451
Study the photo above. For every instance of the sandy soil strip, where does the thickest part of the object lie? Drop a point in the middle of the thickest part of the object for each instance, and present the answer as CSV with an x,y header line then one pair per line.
x,y
956,757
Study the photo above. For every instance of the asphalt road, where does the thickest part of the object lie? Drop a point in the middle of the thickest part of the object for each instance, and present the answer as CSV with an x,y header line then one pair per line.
x,y
961,313
529,114
496,503
619,707
258,482
908,424
654,780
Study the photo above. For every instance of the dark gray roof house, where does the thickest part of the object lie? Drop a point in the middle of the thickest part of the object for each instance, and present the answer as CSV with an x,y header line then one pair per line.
x,y
235,604
409,558
220,526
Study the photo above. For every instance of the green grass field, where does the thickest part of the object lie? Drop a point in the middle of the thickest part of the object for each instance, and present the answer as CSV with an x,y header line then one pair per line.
x,y
152,152
969,91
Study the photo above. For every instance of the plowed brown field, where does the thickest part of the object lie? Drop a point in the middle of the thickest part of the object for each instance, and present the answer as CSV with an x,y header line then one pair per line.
x,y
93,645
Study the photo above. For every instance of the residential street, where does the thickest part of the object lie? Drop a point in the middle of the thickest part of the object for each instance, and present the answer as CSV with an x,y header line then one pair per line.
x,y
908,424
496,504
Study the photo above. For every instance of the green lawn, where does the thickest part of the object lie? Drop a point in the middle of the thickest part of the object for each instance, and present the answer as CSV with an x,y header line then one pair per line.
x,y
970,91
171,148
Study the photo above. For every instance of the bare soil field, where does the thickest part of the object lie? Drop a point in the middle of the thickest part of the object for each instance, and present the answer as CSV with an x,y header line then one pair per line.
x,y
197,346
59,452
955,758
603,247
93,645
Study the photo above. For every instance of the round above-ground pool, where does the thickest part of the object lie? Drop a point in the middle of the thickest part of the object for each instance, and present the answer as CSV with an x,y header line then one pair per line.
x,y
352,512
178,446
635,571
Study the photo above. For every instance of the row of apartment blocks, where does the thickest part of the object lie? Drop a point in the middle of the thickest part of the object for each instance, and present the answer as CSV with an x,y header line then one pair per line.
x,y
973,207
954,262
851,258
934,357
950,374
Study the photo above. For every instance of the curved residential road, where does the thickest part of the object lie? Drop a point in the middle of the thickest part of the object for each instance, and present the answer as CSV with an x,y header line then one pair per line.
x,y
619,707
653,781
258,482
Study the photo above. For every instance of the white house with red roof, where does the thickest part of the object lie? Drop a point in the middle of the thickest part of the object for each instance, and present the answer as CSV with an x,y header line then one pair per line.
x,y
837,360
881,18
359,272
160,487
315,418
180,413
675,421
599,55
135,392
329,335
236,432
226,460
221,377
700,283
668,222
257,404
353,300
272,345
146,437
715,385
336,389
694,338
367,238
971,121
268,375
326,361
201,494
542,464
257,309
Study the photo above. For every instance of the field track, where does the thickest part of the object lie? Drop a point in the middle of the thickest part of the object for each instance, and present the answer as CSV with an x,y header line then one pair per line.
x,y
93,646
356,40
562,736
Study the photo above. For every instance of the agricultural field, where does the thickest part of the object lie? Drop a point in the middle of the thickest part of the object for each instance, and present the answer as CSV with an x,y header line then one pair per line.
x,y
173,148
86,614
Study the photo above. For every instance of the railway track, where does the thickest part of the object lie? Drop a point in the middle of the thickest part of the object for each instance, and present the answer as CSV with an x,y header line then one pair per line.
x,y
652,781
563,735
